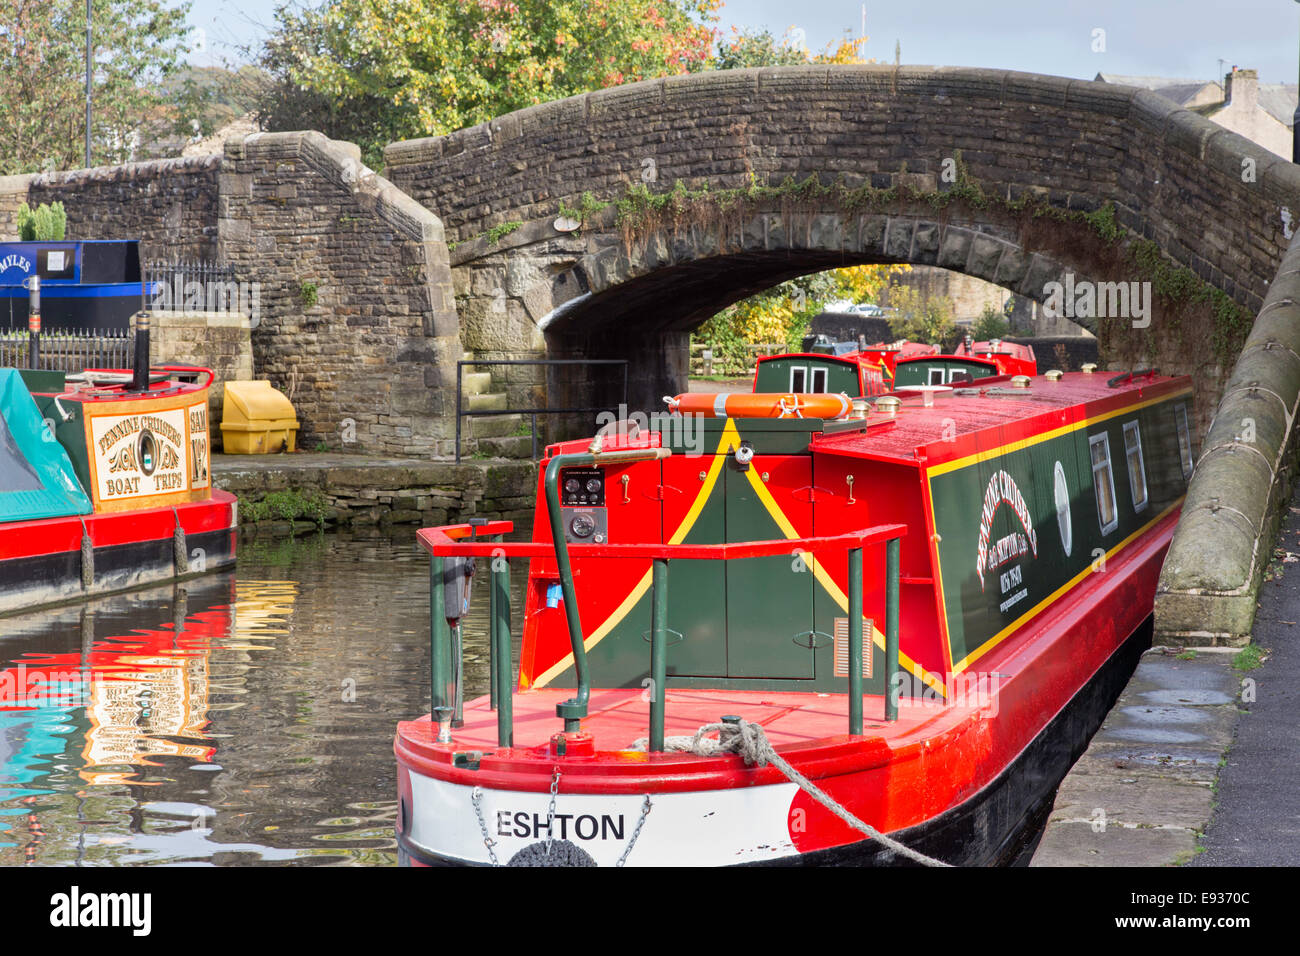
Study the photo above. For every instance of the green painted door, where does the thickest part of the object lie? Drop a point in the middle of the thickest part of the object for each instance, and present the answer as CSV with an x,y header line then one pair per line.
x,y
769,600
696,589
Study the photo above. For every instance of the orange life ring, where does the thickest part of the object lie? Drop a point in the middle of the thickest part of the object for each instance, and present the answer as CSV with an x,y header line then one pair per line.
x,y
761,404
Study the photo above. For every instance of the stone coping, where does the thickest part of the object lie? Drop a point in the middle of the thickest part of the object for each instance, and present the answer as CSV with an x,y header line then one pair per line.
x,y
1223,541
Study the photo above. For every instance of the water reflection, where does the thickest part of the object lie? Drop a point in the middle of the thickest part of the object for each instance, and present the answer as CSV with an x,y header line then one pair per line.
x,y
246,718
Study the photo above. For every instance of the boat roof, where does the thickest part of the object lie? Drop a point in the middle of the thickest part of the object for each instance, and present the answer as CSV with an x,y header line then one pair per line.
x,y
996,347
966,420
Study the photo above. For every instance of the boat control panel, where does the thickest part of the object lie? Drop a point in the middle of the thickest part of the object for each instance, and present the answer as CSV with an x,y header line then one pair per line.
x,y
582,506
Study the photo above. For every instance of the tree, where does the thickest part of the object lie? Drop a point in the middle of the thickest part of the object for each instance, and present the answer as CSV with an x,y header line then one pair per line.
x,y
375,72
42,78
782,314
749,48
990,325
920,318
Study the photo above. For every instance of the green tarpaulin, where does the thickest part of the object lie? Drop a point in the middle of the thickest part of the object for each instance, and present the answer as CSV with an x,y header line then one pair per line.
x,y
36,477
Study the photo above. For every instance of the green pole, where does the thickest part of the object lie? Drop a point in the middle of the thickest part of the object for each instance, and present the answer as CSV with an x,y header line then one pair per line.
x,y
891,629
573,710
501,651
438,636
494,680
855,641
658,653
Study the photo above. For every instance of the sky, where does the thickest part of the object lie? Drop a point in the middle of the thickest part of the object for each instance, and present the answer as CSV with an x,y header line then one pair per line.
x,y
1174,38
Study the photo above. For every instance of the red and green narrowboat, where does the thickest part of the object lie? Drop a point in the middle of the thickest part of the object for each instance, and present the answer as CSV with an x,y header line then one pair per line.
x,y
105,483
839,370
927,606
970,361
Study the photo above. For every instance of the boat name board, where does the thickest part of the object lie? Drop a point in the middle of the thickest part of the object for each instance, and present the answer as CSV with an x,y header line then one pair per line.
x,y
1001,490
14,261
142,455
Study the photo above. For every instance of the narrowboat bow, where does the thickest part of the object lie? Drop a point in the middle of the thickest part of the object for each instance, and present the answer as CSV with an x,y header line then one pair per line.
x,y
105,483
927,606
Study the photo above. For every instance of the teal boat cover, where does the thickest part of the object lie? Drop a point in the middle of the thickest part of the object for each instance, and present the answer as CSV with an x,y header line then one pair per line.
x,y
36,476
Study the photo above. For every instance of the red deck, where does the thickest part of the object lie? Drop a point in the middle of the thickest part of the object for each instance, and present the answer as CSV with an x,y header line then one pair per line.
x,y
949,428
617,718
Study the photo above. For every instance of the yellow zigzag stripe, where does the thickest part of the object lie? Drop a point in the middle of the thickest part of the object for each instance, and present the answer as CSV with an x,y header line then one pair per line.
x,y
727,443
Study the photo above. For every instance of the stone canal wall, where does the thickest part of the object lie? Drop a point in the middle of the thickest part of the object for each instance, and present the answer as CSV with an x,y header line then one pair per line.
x,y
170,205
358,324
1223,544
356,320
334,489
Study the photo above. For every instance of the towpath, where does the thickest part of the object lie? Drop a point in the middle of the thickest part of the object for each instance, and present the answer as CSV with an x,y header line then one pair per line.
x,y
1257,819
1199,761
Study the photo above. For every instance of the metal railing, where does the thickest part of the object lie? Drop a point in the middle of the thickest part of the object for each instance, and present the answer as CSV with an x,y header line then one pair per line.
x,y
462,412
64,350
486,540
190,285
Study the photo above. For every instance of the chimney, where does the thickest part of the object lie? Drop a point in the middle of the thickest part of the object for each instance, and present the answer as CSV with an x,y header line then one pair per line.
x,y
1241,88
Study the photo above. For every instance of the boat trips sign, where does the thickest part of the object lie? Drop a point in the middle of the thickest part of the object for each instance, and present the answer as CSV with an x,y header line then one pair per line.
x,y
142,458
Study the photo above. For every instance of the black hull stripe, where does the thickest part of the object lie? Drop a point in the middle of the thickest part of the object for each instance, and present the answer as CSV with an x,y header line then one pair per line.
x,y
47,580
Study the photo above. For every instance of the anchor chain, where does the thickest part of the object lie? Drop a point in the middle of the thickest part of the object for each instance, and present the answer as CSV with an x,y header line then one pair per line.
x,y
550,812
645,812
476,798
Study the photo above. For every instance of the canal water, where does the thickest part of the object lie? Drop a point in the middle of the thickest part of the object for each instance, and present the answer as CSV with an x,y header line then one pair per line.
x,y
246,718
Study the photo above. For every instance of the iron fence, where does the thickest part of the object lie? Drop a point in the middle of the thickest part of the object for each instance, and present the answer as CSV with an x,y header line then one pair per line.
x,y
187,284
69,350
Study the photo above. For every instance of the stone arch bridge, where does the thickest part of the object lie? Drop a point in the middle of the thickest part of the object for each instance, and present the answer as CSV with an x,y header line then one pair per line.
x,y
374,286
966,169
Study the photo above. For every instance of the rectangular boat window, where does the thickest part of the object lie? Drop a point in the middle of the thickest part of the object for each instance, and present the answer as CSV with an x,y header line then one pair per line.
x,y
1184,439
818,380
936,376
1103,482
798,379
1137,475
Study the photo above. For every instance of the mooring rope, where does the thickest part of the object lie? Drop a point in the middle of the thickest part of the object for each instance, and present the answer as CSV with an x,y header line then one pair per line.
x,y
749,740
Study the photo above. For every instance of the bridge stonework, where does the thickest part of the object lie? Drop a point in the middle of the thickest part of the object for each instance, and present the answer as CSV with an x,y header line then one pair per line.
x,y
396,304
370,363
1213,201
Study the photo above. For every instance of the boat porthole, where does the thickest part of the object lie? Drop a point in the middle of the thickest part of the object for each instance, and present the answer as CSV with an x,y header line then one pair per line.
x,y
147,452
1063,509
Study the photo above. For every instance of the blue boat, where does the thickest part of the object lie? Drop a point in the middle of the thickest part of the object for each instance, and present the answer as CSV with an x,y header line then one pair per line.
x,y
92,285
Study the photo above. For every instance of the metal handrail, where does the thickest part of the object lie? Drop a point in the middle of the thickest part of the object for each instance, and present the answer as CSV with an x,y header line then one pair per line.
x,y
448,541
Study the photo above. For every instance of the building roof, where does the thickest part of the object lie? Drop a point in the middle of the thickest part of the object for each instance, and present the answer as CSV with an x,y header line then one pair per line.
x,y
1276,99
1279,100
1183,92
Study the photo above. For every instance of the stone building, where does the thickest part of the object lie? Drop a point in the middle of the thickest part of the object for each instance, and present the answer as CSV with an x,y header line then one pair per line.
x,y
1261,112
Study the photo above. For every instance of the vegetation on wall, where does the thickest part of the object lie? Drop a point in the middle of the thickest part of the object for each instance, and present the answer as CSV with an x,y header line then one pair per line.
x,y
1187,301
46,223
292,505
